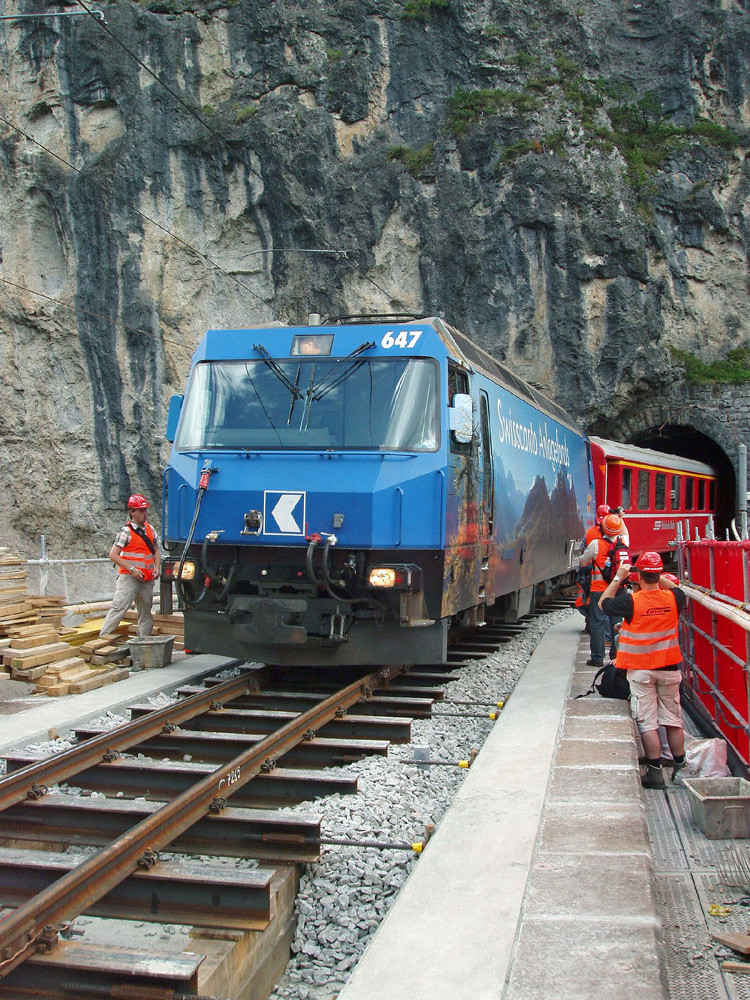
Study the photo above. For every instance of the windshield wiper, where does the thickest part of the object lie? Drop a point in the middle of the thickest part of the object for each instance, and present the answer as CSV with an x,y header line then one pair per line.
x,y
296,394
280,374
336,377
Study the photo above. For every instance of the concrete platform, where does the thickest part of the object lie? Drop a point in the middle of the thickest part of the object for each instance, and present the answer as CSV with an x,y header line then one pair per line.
x,y
538,881
36,718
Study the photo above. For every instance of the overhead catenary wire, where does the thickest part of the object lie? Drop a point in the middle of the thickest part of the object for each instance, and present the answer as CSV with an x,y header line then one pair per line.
x,y
67,304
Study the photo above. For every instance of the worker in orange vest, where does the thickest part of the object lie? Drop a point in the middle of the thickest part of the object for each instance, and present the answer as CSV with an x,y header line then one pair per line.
x,y
604,554
137,556
649,650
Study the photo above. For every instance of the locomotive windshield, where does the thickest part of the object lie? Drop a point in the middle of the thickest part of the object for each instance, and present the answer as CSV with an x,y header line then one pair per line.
x,y
376,403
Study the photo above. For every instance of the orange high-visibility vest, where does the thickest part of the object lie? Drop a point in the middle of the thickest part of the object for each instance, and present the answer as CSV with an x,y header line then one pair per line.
x,y
137,554
649,640
592,533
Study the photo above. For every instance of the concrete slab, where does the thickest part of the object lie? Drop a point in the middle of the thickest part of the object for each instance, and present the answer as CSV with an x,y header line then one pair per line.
x,y
569,884
598,727
589,785
575,959
612,828
589,753
50,718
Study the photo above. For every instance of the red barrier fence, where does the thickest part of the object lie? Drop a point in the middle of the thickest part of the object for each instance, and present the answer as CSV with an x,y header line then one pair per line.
x,y
715,636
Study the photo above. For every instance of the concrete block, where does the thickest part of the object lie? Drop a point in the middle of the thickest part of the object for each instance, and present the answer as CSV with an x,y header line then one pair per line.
x,y
599,887
574,959
617,827
594,784
584,753
615,727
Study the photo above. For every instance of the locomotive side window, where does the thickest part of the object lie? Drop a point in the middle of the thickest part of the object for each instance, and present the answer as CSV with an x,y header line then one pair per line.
x,y
488,485
458,382
675,495
712,495
689,493
626,487
701,494
643,489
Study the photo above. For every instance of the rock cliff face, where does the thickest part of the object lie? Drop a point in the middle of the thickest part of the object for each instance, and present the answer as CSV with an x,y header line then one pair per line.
x,y
564,182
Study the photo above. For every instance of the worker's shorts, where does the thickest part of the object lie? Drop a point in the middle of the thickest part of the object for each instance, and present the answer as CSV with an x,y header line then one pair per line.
x,y
655,698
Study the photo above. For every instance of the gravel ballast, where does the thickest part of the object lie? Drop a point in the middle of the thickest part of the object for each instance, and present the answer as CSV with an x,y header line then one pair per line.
x,y
343,898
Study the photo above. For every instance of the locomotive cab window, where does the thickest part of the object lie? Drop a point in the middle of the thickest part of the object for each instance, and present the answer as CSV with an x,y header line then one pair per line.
x,y
380,404
458,385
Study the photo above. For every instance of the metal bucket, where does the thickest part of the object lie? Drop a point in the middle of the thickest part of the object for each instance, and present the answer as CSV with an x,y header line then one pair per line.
x,y
153,651
720,806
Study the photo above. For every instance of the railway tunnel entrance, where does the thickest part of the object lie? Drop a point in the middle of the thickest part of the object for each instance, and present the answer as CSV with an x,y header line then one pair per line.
x,y
689,442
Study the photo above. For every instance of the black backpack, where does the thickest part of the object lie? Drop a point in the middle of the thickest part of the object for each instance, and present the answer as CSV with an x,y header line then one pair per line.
x,y
613,683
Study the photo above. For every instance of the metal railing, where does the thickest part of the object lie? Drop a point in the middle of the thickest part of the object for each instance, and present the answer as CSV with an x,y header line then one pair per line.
x,y
715,636
74,579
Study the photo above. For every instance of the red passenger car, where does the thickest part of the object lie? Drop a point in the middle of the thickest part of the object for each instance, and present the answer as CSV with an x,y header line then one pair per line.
x,y
656,491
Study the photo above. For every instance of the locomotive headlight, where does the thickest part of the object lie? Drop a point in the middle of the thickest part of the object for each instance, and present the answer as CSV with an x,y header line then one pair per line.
x,y
317,343
188,570
396,577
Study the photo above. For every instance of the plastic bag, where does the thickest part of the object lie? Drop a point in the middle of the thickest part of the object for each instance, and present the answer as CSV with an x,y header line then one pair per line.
x,y
706,758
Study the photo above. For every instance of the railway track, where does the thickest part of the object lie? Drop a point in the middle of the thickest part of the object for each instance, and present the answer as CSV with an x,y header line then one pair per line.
x,y
206,776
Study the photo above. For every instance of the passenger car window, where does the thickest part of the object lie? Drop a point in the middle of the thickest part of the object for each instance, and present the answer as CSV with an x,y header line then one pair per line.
x,y
689,483
661,491
675,494
626,486
643,489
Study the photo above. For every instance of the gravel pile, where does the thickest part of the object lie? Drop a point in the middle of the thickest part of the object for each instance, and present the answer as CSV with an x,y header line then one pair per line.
x,y
343,898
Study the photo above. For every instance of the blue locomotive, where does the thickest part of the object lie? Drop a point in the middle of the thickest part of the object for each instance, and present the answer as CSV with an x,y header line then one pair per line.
x,y
346,494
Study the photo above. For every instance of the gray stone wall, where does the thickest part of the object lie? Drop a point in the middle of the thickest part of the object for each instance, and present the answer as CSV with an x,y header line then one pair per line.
x,y
567,183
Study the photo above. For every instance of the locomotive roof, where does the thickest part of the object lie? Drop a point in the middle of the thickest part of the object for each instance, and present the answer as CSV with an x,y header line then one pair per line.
x,y
477,357
646,456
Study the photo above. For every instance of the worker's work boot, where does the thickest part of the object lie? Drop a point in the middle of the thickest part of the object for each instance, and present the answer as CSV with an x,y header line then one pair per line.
x,y
676,768
653,778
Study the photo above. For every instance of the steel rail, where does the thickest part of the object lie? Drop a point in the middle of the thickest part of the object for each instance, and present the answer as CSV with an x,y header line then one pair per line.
x,y
31,781
89,882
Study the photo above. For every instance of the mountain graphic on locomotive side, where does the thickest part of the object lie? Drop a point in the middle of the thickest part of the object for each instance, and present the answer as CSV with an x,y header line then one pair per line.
x,y
345,494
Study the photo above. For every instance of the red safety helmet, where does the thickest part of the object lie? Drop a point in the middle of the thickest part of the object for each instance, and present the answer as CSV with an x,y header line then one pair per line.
x,y
672,578
612,525
649,562
137,502
601,511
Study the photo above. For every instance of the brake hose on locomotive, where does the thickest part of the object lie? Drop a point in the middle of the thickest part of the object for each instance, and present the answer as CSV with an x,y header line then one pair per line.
x,y
328,583
206,473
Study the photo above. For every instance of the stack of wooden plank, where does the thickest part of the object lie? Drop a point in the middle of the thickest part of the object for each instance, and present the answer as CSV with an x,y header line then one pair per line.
x,y
37,654
49,608
15,605
113,649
